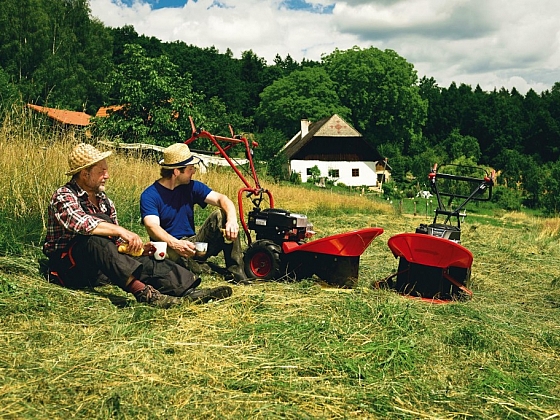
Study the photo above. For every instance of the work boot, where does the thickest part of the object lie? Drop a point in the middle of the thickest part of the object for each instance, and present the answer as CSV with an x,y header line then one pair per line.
x,y
153,297
208,295
236,275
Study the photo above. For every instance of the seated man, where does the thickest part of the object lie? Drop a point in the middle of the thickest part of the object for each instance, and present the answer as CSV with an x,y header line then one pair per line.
x,y
167,210
82,237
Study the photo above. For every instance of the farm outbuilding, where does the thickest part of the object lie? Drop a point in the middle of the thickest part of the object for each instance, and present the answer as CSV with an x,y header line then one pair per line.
x,y
62,116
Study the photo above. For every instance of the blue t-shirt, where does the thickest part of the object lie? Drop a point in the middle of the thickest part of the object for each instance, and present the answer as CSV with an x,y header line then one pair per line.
x,y
174,207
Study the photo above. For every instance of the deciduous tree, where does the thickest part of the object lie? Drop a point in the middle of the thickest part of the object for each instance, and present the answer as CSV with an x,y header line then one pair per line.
x,y
156,101
381,90
307,93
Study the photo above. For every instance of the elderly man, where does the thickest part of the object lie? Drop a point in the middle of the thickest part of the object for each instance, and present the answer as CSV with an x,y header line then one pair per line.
x,y
167,210
82,237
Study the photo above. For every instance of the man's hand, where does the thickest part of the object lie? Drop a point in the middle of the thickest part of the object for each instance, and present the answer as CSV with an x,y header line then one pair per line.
x,y
183,247
135,245
134,242
231,232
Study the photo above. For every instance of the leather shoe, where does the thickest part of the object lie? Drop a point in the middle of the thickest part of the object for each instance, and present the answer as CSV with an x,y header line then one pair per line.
x,y
208,295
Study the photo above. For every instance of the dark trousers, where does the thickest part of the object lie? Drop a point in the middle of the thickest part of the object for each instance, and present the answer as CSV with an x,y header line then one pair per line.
x,y
210,233
94,260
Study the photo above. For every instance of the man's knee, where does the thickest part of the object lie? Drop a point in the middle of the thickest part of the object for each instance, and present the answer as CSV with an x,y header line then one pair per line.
x,y
96,242
217,217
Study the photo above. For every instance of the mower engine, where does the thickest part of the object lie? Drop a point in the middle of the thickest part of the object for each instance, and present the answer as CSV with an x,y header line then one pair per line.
x,y
279,225
440,230
281,252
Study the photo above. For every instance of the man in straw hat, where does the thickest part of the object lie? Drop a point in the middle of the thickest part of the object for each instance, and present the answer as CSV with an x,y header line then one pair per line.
x,y
167,210
82,237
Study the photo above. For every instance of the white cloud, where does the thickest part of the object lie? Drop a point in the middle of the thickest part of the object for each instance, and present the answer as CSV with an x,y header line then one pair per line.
x,y
493,43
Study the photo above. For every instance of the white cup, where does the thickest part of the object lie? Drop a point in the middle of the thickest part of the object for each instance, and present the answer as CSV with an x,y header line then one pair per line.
x,y
161,250
200,249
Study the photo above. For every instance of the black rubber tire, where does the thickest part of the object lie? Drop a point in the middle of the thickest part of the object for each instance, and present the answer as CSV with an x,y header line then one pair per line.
x,y
262,260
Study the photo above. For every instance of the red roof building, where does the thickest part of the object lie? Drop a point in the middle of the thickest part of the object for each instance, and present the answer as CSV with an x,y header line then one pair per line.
x,y
105,111
62,116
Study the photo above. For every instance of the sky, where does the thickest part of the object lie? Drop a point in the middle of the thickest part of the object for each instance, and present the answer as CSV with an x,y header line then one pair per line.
x,y
492,43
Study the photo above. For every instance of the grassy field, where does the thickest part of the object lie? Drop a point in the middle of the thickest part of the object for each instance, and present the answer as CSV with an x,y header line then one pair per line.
x,y
275,350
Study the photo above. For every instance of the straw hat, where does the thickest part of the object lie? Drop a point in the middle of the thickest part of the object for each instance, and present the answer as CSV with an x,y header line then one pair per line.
x,y
178,155
84,156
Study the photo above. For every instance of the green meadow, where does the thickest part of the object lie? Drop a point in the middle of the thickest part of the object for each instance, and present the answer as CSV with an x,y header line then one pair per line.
x,y
274,350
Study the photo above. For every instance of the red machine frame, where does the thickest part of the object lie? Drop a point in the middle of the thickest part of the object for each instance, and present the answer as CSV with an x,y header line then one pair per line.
x,y
232,141
433,265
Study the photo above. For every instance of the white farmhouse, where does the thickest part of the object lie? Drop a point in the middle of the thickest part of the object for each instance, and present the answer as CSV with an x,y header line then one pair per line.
x,y
339,151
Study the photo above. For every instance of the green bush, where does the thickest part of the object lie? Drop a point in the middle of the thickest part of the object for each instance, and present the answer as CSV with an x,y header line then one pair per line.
x,y
507,198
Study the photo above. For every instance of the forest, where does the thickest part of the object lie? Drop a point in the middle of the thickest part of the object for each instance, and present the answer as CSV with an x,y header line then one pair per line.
x,y
54,53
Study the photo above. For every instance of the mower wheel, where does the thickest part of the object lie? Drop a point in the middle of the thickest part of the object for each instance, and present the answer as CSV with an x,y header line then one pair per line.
x,y
262,260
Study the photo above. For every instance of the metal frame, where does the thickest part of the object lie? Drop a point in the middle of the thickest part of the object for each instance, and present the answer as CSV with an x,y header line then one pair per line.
x,y
256,191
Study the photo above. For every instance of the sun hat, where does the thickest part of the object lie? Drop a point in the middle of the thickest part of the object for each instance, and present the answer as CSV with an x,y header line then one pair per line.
x,y
178,155
84,156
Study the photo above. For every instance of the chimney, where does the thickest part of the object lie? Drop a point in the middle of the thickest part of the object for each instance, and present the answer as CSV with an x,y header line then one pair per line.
x,y
304,127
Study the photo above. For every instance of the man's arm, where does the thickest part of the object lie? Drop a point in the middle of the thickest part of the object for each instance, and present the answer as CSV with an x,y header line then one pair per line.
x,y
72,216
182,247
109,229
223,202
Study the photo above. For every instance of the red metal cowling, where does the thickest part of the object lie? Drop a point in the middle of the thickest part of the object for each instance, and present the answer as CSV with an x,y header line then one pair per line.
x,y
430,268
347,244
430,250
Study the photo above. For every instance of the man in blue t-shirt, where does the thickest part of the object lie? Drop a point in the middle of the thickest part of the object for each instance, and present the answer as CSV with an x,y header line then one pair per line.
x,y
167,210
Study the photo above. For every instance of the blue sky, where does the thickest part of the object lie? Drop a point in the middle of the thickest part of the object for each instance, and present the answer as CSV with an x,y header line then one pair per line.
x,y
289,4
492,43
158,4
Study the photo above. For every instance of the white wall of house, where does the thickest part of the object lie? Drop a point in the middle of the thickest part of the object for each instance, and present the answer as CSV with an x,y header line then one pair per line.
x,y
365,171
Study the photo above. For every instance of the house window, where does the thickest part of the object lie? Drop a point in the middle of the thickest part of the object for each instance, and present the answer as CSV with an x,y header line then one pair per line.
x,y
334,173
356,172
309,172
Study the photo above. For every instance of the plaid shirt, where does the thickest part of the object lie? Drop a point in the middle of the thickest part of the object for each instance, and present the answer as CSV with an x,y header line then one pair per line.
x,y
71,214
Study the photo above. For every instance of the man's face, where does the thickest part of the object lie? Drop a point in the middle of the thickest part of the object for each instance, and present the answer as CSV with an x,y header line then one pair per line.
x,y
95,178
186,175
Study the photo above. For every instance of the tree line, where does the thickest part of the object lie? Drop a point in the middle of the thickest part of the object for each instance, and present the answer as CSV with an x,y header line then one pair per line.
x,y
54,53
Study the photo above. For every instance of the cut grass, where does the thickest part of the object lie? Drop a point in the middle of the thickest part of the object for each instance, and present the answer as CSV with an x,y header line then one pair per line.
x,y
294,350
275,351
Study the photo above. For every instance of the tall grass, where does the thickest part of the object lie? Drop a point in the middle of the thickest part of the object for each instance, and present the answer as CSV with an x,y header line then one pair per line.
x,y
274,350
29,169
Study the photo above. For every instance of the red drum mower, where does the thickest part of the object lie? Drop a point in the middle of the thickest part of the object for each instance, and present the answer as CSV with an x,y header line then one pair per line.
x,y
279,250
432,264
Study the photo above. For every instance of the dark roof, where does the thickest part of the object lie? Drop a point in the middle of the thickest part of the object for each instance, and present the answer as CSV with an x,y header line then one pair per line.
x,y
63,116
333,126
331,138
